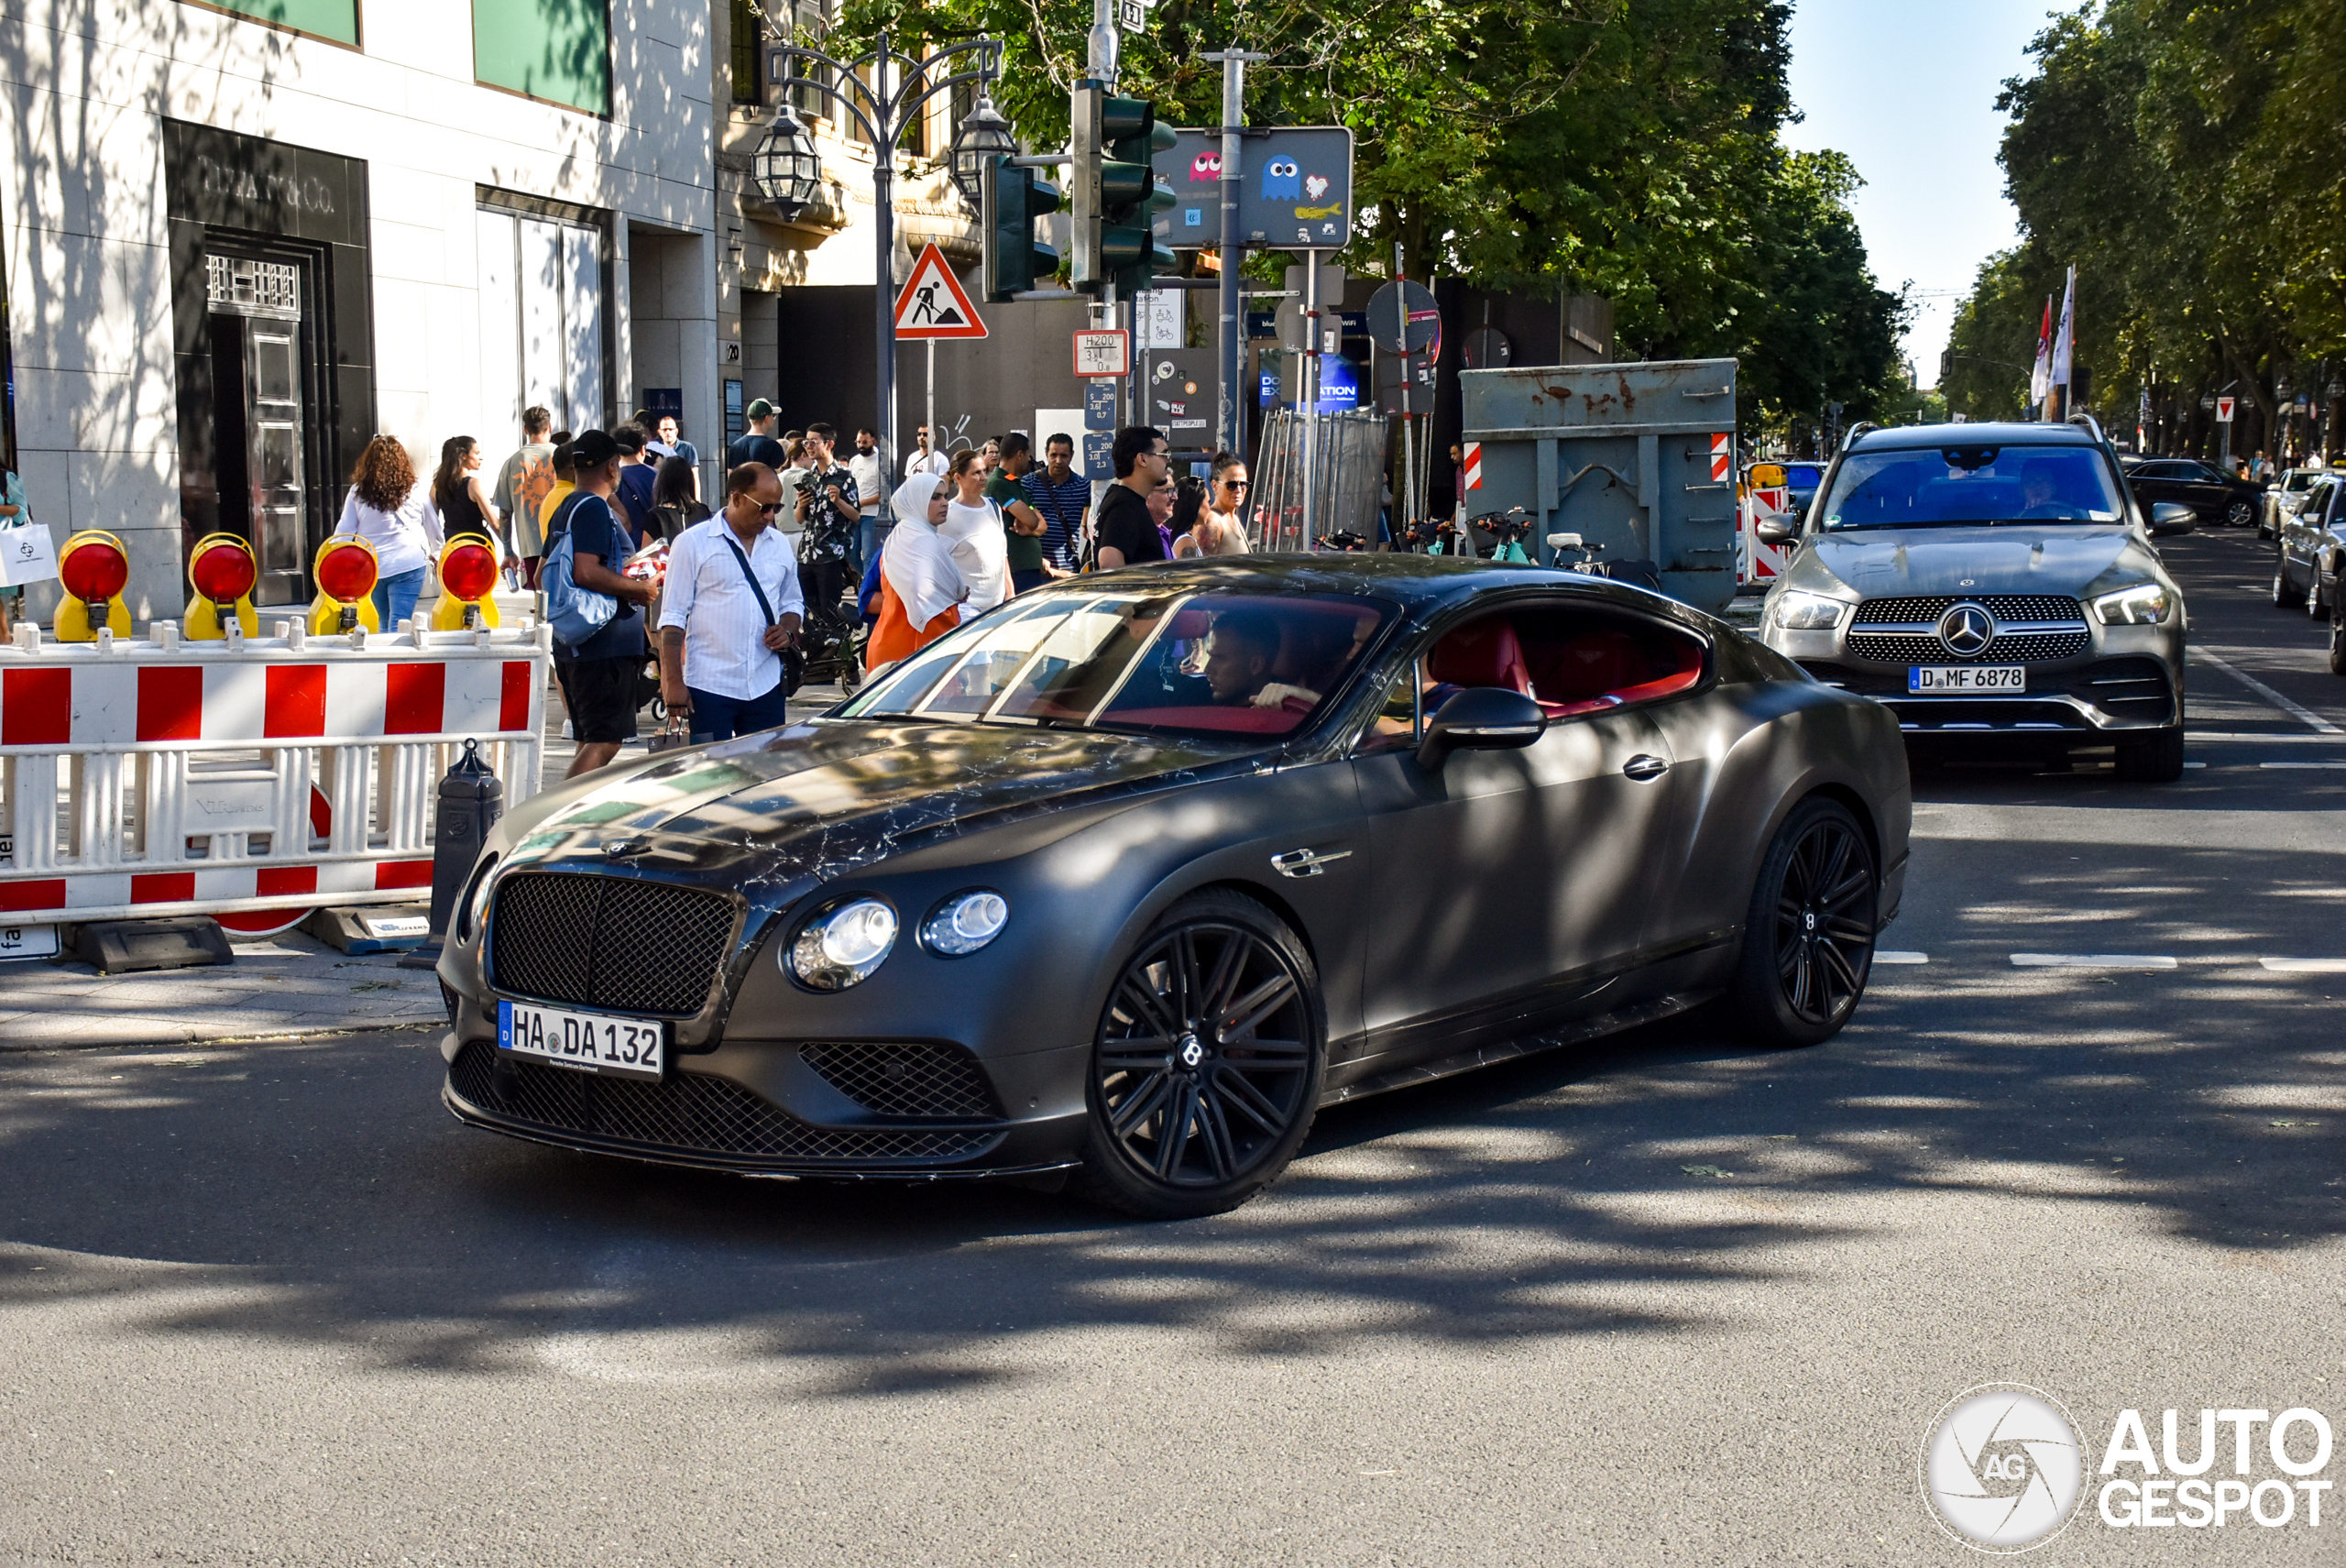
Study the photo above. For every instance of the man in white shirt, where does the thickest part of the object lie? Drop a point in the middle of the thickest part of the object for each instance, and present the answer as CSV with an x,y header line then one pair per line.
x,y
721,638
924,461
865,467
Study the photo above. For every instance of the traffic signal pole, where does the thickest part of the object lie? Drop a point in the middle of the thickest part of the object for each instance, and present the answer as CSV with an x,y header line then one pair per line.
x,y
1232,345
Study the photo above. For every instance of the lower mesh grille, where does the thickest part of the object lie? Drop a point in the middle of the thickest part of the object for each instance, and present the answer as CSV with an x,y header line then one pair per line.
x,y
686,1111
623,943
893,1078
2008,648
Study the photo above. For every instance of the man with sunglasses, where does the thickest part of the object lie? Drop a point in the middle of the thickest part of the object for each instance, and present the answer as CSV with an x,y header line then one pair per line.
x,y
732,604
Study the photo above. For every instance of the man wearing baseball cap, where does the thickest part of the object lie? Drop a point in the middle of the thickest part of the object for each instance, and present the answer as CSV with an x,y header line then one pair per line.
x,y
598,675
757,444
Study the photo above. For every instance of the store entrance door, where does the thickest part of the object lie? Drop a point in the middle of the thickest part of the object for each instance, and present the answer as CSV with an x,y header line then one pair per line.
x,y
257,359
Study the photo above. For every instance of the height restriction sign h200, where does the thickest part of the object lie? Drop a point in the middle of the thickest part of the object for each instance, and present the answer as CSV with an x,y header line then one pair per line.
x,y
1103,352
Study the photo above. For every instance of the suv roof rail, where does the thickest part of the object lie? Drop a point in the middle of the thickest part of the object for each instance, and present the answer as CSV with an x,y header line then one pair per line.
x,y
1855,431
2092,424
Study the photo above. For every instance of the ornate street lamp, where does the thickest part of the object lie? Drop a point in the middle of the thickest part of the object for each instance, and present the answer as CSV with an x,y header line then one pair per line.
x,y
786,166
984,136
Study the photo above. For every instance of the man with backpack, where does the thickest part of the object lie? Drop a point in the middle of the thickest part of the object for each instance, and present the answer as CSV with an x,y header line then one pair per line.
x,y
599,643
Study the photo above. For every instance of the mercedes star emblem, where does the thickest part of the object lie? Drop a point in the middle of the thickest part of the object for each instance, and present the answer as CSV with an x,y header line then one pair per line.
x,y
1965,629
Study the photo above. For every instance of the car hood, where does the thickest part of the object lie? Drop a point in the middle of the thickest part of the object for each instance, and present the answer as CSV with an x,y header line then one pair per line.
x,y
817,798
2008,558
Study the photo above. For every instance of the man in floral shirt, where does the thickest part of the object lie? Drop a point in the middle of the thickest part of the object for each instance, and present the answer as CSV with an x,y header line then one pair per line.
x,y
828,507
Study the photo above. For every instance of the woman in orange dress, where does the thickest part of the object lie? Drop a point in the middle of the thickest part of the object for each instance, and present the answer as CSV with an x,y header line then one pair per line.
x,y
921,590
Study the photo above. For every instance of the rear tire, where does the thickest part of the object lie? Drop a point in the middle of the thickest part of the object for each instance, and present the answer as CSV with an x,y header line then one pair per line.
x,y
1808,934
2158,758
1207,1065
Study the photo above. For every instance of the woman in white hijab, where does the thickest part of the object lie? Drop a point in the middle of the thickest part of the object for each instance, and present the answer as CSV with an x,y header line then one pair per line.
x,y
922,592
974,532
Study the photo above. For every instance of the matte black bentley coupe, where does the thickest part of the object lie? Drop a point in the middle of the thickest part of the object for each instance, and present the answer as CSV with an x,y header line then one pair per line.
x,y
1126,878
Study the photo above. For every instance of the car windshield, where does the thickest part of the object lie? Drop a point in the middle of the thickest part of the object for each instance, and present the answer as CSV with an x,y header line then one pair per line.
x,y
1903,488
1215,663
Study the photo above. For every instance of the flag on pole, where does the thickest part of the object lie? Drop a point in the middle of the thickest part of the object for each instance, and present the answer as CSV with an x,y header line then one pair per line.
x,y
2040,377
2064,343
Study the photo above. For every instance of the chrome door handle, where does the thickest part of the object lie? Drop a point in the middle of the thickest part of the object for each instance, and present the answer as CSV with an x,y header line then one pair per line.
x,y
1643,766
1306,863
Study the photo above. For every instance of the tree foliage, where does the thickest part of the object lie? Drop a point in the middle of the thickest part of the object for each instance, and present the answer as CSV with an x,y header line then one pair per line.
x,y
1622,148
2181,154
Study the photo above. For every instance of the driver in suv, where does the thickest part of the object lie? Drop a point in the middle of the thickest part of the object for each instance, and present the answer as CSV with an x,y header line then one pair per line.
x,y
1996,585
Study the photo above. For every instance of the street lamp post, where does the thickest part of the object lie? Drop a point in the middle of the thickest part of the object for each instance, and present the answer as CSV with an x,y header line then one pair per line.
x,y
788,170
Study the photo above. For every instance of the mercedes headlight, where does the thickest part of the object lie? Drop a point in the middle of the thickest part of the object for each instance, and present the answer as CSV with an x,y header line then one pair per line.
x,y
2145,604
966,922
1797,611
842,946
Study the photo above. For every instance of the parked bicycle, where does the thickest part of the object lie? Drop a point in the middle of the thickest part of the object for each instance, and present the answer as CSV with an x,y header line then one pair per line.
x,y
1589,562
1343,539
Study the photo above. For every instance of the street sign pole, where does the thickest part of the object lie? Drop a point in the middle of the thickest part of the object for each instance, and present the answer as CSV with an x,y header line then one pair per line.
x,y
1408,442
1232,344
1310,405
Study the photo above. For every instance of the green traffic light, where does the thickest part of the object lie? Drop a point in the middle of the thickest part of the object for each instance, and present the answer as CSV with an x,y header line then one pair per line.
x,y
1015,259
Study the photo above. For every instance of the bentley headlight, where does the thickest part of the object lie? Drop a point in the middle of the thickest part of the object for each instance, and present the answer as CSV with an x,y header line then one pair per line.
x,y
1797,611
472,908
2145,604
842,946
966,922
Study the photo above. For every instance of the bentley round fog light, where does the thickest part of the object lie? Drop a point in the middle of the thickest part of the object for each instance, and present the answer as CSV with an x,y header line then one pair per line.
x,y
966,922
842,946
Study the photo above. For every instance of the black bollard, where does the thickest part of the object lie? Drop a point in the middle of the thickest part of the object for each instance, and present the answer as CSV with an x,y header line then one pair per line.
x,y
471,800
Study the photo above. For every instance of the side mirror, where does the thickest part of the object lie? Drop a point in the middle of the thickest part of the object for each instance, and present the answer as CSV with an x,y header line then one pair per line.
x,y
1481,718
1776,530
2168,517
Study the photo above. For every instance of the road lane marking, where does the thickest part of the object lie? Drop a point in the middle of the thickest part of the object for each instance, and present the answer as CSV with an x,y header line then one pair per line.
x,y
2304,966
2301,764
1888,956
2091,961
2195,764
2290,739
2295,711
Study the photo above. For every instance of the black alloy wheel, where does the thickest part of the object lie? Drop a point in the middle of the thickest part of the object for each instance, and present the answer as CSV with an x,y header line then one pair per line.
x,y
2240,514
1808,936
1206,1071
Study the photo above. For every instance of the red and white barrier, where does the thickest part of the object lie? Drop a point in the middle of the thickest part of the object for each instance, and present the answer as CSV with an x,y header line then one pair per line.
x,y
1721,459
250,779
1758,560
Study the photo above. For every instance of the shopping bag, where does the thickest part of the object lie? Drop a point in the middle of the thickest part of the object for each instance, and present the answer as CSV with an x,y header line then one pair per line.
x,y
28,554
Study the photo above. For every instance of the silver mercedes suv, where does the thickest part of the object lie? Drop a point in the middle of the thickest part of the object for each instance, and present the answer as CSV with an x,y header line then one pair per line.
x,y
1996,585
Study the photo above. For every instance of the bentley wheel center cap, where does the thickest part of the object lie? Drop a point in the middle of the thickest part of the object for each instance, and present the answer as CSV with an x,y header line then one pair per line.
x,y
1965,629
1808,920
1191,1053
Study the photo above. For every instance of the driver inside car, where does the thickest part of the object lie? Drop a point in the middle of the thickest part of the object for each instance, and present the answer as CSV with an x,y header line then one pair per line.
x,y
1239,657
2040,490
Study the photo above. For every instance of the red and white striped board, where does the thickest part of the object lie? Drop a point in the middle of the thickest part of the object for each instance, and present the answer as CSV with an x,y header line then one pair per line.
x,y
249,784
1472,453
1721,459
1762,562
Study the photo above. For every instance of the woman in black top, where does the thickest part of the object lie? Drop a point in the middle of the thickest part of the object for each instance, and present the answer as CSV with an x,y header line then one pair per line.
x,y
673,503
456,493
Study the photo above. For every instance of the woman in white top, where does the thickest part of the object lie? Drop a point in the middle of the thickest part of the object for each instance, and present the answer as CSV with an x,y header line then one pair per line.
x,y
973,531
1220,530
392,510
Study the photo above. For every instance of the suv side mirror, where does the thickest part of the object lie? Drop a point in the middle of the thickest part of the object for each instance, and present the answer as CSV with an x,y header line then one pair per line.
x,y
2168,517
1481,718
1776,530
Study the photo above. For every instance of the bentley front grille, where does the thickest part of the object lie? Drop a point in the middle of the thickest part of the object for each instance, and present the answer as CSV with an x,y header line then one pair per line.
x,y
615,942
688,1113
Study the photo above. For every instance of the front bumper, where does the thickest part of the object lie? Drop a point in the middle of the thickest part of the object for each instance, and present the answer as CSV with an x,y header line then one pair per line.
x,y
2095,697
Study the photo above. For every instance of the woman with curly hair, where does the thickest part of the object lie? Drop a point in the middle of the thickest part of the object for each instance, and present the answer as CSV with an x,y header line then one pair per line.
x,y
391,509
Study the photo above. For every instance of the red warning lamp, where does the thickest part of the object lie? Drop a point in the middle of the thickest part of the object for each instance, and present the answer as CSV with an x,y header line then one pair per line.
x,y
223,570
346,571
468,571
94,569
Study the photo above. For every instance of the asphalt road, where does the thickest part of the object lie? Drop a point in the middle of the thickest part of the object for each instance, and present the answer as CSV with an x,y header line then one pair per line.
x,y
272,1306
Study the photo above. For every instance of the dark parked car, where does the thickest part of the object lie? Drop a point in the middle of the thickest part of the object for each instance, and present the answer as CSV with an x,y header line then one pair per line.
x,y
1126,878
2207,491
2306,560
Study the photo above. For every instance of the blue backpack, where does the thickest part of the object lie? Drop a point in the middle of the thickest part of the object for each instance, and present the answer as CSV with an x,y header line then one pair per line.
x,y
574,613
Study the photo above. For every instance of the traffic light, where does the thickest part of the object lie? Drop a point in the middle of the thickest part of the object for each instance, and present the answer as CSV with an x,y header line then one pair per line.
x,y
1116,190
1014,259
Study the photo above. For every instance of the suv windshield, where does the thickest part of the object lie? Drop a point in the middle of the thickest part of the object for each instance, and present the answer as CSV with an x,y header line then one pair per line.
x,y
1216,664
1903,488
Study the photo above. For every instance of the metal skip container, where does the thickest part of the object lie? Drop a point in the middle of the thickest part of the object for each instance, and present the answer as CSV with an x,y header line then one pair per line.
x,y
1638,458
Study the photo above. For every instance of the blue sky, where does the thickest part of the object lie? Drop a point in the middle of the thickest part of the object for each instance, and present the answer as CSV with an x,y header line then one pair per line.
x,y
1907,88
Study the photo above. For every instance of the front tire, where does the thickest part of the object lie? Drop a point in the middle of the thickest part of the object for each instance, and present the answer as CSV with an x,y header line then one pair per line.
x,y
2157,759
1808,935
1207,1065
2240,514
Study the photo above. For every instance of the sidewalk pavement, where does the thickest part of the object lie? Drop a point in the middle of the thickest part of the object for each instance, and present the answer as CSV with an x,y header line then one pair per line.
x,y
283,987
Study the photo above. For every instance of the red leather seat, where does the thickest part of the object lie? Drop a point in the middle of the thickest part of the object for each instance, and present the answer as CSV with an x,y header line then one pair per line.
x,y
1485,654
1589,665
